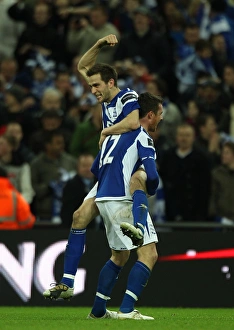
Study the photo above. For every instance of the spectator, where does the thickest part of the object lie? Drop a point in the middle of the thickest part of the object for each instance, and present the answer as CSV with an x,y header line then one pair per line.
x,y
172,116
198,11
219,51
8,28
142,42
175,26
61,15
39,43
52,99
19,175
80,40
50,170
168,8
15,212
217,23
188,69
14,108
40,82
212,101
228,88
185,172
63,84
187,47
87,134
228,81
209,140
50,120
123,16
21,153
192,113
8,71
73,198
222,198
137,74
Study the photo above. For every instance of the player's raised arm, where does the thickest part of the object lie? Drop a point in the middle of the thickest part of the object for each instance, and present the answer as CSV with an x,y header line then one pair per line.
x,y
89,58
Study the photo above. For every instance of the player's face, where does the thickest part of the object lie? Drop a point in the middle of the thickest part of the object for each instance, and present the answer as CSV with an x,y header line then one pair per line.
x,y
100,89
156,118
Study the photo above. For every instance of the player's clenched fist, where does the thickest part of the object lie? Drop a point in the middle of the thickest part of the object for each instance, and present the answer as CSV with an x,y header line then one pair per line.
x,y
109,40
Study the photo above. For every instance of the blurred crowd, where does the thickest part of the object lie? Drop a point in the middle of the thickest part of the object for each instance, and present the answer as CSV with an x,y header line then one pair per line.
x,y
50,122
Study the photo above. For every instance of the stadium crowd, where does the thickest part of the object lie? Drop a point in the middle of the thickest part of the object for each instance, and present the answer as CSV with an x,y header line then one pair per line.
x,y
50,122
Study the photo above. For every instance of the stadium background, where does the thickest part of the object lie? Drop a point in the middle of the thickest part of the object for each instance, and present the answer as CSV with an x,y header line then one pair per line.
x,y
201,282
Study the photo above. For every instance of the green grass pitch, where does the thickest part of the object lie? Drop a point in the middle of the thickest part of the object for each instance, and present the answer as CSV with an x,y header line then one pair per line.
x,y
65,318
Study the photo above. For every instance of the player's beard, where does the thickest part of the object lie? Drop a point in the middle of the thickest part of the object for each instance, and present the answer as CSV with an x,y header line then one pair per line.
x,y
105,96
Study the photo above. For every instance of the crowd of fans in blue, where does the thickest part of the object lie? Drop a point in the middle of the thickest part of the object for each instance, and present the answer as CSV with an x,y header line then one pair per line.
x,y
50,122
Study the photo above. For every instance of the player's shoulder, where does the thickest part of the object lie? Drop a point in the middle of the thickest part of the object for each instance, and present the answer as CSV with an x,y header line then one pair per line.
x,y
145,138
128,94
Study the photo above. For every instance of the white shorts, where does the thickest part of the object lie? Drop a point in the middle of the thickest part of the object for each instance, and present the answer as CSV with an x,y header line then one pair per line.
x,y
115,212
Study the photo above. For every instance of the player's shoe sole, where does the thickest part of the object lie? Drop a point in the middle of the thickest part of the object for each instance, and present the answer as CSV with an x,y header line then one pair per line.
x,y
59,291
134,315
135,234
108,315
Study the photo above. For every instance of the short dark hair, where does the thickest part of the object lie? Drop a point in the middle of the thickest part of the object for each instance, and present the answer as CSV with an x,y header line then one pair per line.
x,y
203,118
148,102
49,135
202,44
100,8
106,72
191,25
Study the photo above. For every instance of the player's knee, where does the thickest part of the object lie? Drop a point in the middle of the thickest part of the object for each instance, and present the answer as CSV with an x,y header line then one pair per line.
x,y
151,259
148,255
120,257
76,219
79,221
85,214
155,257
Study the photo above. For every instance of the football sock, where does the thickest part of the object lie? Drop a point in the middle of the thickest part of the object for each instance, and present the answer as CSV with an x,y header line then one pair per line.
x,y
107,279
140,209
137,280
73,253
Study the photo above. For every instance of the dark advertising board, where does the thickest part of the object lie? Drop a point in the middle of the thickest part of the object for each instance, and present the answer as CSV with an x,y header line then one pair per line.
x,y
195,269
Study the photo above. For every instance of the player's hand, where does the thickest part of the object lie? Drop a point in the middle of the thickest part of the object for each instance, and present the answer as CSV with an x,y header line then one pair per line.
x,y
109,40
101,140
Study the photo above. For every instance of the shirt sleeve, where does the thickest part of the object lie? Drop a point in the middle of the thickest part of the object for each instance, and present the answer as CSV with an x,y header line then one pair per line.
x,y
148,156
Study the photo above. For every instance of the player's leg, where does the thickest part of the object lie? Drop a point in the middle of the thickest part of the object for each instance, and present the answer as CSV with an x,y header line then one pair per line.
x,y
137,280
112,212
139,209
74,250
107,279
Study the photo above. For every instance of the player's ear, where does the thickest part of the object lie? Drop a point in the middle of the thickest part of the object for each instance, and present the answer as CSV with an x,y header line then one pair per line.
x,y
111,83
